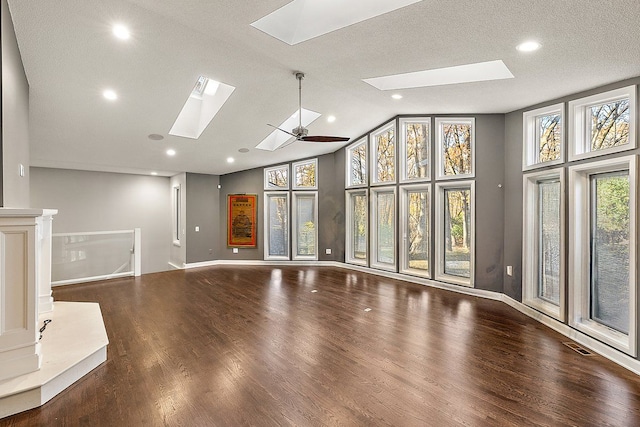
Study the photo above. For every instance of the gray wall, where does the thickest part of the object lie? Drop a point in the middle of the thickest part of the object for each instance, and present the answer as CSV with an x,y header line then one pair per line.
x,y
489,201
203,211
100,201
330,208
15,120
513,214
249,182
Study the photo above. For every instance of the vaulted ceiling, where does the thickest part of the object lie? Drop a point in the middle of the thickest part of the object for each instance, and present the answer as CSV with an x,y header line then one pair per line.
x,y
70,57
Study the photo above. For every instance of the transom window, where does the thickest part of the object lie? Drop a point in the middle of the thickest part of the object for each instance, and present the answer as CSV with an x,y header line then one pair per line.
x,y
304,175
383,147
357,164
543,136
415,144
276,178
603,123
455,147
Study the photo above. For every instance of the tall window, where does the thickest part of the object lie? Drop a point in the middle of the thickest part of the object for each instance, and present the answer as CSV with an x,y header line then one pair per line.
x,y
603,238
357,164
415,143
357,227
454,241
304,175
543,136
455,147
543,251
603,123
305,225
277,225
177,215
383,147
383,245
414,250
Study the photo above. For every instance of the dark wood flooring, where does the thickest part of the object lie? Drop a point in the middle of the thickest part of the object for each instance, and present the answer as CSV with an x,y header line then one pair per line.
x,y
233,346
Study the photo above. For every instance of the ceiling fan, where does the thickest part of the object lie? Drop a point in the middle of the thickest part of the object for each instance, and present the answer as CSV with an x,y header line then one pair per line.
x,y
301,133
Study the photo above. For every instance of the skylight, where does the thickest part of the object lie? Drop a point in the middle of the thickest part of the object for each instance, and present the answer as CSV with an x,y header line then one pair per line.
x,y
302,20
277,138
481,71
204,102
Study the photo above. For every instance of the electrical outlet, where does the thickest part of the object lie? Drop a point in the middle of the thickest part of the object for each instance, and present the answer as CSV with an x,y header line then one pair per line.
x,y
235,250
327,251
509,270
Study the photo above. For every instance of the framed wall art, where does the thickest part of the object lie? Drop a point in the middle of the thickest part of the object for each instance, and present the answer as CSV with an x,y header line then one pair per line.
x,y
241,220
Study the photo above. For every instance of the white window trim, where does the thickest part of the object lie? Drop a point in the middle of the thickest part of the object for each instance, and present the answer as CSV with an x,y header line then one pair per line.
x,y
294,186
294,224
404,224
372,158
439,151
267,228
349,231
350,148
373,235
273,168
176,196
530,262
440,275
403,148
578,134
579,252
531,141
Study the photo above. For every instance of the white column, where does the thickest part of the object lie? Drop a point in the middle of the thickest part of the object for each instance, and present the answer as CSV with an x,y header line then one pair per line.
x,y
19,248
45,300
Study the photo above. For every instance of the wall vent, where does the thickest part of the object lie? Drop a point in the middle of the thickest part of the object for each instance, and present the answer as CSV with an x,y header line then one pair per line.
x,y
578,349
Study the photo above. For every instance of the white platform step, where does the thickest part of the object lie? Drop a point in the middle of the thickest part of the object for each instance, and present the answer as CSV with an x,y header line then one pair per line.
x,y
74,343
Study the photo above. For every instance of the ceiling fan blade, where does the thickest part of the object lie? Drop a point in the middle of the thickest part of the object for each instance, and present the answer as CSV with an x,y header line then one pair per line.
x,y
318,138
285,131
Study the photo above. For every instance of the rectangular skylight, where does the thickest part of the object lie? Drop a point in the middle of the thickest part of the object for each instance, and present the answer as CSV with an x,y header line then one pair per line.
x,y
204,102
302,20
278,138
481,71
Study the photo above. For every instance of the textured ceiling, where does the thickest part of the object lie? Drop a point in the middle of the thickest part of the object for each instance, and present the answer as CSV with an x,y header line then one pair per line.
x,y
70,56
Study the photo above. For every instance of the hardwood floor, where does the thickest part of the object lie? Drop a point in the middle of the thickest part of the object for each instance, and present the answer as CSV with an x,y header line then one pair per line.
x,y
231,346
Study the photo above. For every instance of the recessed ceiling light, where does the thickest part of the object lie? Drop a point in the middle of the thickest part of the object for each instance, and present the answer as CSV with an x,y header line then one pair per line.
x,y
230,160
529,46
243,150
396,96
110,95
121,32
171,152
155,137
331,119
154,173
